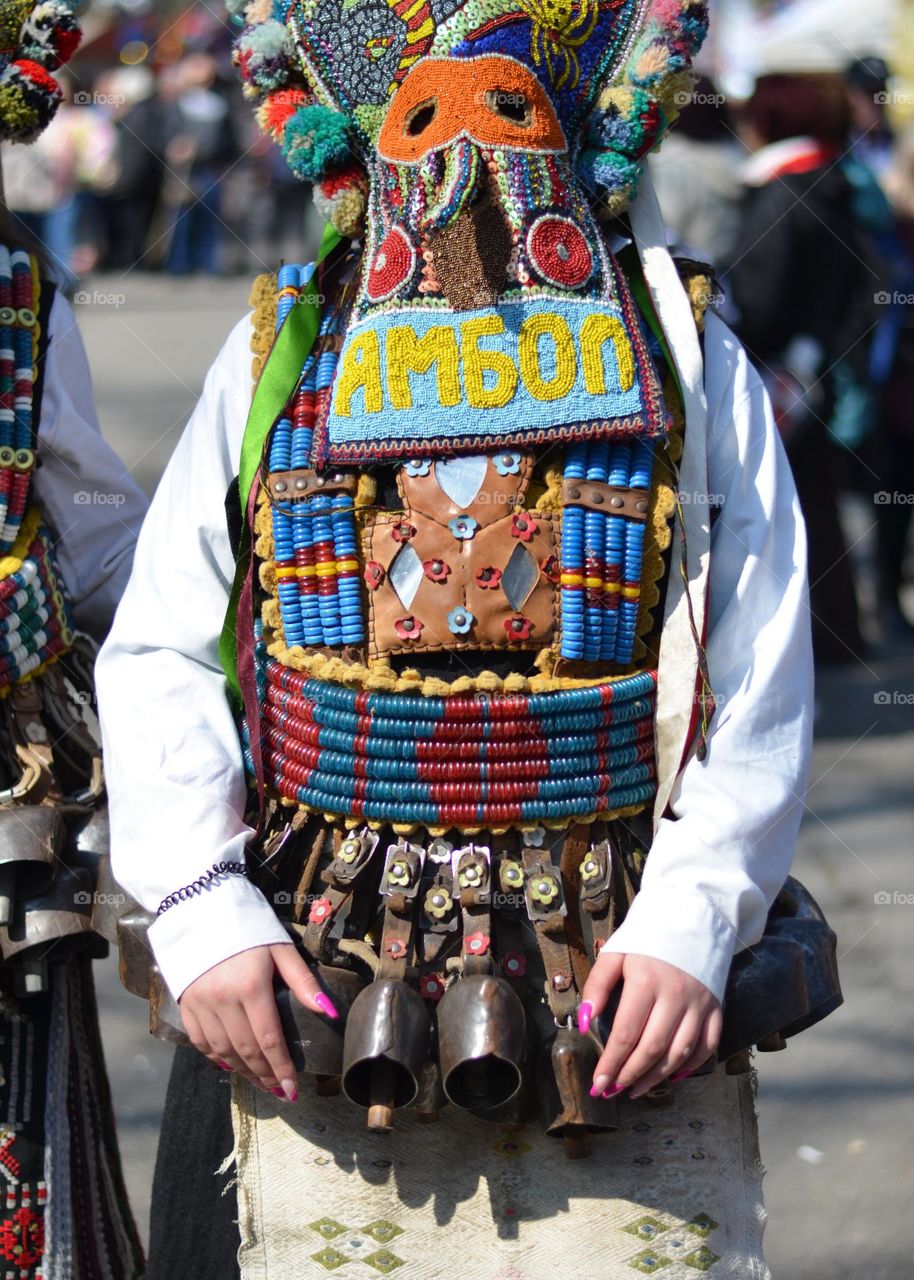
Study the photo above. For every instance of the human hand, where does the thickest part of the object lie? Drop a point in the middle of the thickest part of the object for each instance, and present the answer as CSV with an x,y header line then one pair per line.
x,y
667,1024
231,1016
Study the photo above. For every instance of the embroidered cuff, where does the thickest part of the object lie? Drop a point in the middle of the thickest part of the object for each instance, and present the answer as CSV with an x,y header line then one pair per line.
x,y
225,917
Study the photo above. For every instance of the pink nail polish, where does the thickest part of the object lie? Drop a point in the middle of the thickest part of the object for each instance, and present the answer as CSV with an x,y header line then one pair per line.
x,y
223,1066
680,1075
288,1090
585,1013
326,1005
613,1090
594,1091
278,1093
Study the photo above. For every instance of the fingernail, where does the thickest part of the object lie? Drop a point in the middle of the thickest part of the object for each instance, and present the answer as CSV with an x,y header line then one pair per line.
x,y
680,1075
223,1066
289,1089
585,1013
325,1004
599,1084
613,1090
278,1093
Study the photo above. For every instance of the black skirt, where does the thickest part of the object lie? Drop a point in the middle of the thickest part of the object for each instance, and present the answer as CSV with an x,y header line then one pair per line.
x,y
194,1221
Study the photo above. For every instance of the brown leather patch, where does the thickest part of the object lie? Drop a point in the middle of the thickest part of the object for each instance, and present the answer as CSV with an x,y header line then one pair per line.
x,y
462,574
596,496
292,486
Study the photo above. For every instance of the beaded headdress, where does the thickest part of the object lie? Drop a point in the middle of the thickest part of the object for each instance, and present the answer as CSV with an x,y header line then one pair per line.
x,y
470,144
323,74
35,40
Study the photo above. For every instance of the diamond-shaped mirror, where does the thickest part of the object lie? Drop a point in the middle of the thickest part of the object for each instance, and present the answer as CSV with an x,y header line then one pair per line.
x,y
461,478
405,574
519,577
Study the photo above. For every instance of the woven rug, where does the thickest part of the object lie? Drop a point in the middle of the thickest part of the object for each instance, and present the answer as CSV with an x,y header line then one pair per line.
x,y
675,1193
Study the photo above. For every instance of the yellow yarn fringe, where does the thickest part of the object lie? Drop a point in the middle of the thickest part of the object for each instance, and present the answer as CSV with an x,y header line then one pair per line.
x,y
378,677
262,300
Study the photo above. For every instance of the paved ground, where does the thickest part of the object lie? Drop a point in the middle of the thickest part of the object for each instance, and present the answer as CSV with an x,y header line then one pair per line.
x,y
836,1106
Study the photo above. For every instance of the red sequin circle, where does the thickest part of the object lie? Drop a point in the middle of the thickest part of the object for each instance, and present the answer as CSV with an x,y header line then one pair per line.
x,y
393,264
559,251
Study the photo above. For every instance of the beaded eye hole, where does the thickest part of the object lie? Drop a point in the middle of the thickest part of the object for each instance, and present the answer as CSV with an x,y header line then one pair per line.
x,y
421,116
510,105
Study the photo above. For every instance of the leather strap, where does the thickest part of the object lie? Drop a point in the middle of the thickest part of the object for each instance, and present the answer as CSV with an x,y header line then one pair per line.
x,y
610,498
400,887
547,912
473,882
293,486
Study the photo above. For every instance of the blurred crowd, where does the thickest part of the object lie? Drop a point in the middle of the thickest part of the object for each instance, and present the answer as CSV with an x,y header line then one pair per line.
x,y
802,198
156,170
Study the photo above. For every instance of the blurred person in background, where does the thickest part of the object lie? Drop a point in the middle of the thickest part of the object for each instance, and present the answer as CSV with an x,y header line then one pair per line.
x,y
867,95
696,177
803,291
127,208
43,184
200,147
277,225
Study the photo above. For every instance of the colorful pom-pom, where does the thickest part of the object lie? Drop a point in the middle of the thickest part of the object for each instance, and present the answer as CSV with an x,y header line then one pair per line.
x,y
315,140
47,38
632,114
264,56
29,96
340,200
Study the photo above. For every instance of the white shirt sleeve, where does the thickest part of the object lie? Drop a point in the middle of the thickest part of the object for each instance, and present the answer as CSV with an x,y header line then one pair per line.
x,y
172,756
89,498
716,866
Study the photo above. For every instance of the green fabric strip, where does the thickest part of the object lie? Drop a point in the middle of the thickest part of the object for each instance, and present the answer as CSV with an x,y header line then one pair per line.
x,y
275,386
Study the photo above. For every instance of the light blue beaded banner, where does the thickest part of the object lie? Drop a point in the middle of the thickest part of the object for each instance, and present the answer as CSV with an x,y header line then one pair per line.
x,y
419,380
